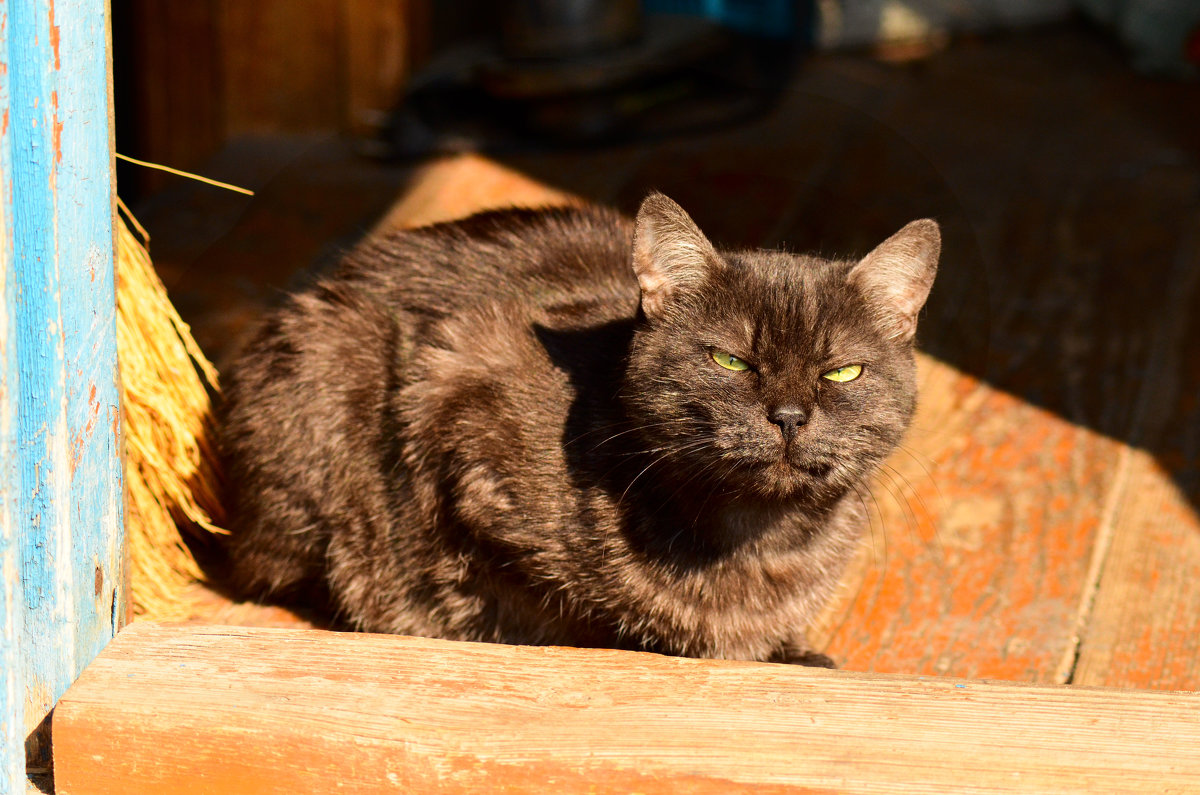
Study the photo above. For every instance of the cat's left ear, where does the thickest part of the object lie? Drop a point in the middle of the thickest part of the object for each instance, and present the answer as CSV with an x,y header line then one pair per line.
x,y
670,253
896,277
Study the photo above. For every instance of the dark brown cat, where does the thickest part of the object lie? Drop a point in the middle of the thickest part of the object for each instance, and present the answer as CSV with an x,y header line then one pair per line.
x,y
558,427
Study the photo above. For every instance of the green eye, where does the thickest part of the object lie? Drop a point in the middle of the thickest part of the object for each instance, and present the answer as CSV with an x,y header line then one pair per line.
x,y
729,361
844,374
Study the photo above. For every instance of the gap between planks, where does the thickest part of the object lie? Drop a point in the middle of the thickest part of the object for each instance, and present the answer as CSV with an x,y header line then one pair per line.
x,y
1167,340
1065,671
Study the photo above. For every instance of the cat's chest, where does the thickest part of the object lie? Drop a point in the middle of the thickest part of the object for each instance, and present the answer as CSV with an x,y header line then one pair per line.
x,y
734,602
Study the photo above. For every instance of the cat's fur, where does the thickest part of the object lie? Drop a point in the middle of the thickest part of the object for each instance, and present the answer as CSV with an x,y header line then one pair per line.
x,y
512,428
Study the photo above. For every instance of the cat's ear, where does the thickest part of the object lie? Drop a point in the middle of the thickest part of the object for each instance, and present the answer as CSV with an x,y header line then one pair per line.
x,y
669,252
897,275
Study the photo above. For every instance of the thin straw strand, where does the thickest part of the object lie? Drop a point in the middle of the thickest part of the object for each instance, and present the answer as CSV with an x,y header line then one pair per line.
x,y
187,174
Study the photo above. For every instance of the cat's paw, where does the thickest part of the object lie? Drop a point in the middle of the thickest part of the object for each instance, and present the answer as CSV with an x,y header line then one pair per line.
x,y
794,653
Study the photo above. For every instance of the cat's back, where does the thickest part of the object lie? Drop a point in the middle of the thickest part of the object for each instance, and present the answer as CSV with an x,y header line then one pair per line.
x,y
534,258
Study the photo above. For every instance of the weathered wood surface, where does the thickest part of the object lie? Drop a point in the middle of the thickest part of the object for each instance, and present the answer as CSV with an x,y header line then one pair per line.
x,y
171,708
61,590
61,580
978,561
1144,630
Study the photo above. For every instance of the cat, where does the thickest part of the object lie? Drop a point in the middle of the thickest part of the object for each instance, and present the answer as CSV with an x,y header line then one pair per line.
x,y
562,427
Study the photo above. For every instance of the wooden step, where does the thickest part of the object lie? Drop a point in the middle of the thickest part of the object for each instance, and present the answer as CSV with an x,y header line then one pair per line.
x,y
186,709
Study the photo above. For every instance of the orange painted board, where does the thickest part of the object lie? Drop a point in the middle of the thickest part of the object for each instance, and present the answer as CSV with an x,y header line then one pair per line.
x,y
1144,630
186,709
982,542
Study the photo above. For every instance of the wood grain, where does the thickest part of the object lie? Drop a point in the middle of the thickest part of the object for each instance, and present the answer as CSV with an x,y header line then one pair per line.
x,y
172,69
1144,630
977,560
280,65
215,709
62,587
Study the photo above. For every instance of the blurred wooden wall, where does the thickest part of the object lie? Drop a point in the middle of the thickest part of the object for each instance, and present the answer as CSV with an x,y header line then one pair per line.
x,y
191,75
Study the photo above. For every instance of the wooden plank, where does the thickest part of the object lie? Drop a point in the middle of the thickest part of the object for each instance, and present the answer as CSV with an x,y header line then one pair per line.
x,y
1145,627
281,69
977,561
62,590
1144,630
12,714
214,709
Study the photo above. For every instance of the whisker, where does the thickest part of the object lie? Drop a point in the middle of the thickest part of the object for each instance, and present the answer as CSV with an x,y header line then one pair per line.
x,y
612,425
882,524
673,451
941,551
911,520
693,476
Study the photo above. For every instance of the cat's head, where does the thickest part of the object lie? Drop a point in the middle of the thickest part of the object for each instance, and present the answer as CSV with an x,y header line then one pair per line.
x,y
767,375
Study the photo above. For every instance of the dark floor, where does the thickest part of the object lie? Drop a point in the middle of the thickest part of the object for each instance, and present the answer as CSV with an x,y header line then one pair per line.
x,y
1042,522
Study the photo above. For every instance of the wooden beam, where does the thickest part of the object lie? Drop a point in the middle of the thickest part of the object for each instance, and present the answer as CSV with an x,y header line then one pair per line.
x,y
194,708
61,559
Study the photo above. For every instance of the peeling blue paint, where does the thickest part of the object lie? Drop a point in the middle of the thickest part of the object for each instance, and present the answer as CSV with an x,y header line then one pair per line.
x,y
61,561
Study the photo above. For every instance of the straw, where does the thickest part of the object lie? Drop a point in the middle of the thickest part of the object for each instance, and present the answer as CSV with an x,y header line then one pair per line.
x,y
171,475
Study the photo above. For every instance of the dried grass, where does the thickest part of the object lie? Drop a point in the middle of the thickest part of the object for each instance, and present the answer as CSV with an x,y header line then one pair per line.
x,y
171,476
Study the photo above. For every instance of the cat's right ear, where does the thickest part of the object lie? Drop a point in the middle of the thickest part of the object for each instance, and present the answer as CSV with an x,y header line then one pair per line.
x,y
897,275
669,252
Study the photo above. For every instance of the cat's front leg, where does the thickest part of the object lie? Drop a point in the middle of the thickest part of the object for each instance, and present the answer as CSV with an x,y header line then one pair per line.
x,y
797,652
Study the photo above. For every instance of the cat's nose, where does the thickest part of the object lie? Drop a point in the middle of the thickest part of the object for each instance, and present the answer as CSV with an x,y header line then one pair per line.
x,y
789,419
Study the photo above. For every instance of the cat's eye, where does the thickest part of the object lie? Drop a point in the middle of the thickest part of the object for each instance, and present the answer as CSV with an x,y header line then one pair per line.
x,y
844,374
729,361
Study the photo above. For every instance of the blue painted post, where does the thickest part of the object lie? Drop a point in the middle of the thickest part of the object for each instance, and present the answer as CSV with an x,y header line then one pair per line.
x,y
62,587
